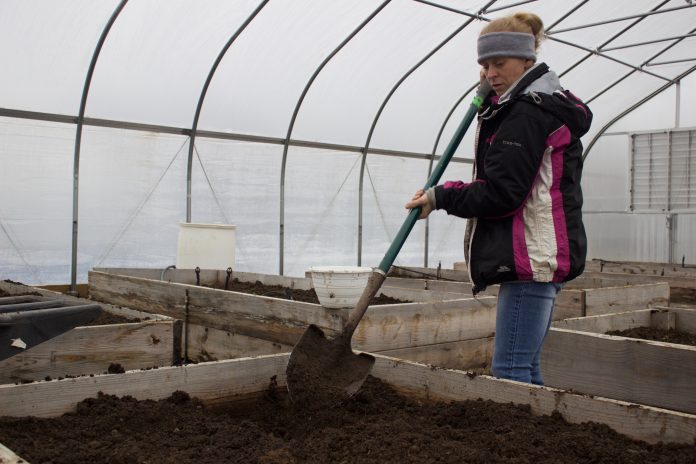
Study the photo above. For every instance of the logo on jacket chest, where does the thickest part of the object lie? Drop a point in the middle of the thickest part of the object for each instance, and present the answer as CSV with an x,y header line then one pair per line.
x,y
514,144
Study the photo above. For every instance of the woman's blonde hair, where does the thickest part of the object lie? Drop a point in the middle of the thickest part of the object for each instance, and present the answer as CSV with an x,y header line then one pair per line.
x,y
518,22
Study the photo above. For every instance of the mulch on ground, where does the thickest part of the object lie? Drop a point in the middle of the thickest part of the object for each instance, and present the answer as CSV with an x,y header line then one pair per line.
x,y
375,426
660,335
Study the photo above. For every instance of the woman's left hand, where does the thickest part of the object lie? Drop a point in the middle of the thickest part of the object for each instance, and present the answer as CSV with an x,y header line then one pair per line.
x,y
420,199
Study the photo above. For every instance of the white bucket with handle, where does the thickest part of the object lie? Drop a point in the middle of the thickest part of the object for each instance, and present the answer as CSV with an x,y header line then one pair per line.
x,y
339,286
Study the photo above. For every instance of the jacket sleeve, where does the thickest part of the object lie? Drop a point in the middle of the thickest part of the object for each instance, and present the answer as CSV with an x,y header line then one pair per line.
x,y
511,165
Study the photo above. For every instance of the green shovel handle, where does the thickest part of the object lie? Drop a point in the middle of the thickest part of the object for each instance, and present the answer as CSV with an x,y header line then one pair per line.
x,y
414,214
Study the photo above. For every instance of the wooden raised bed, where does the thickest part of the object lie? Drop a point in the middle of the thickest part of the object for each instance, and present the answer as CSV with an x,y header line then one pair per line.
x,y
681,279
578,355
226,380
588,295
91,349
452,333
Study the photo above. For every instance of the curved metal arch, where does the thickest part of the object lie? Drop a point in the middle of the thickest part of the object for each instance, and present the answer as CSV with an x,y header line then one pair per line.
x,y
611,39
555,39
286,144
451,112
201,98
379,113
570,68
624,18
459,101
78,141
621,79
634,107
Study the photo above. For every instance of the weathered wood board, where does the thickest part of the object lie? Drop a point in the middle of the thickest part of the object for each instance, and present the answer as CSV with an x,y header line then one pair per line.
x,y
383,327
618,299
685,320
7,456
464,355
91,349
681,319
226,380
641,371
641,268
20,289
591,293
209,344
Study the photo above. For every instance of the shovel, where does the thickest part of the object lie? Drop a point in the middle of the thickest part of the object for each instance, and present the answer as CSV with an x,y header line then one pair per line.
x,y
322,372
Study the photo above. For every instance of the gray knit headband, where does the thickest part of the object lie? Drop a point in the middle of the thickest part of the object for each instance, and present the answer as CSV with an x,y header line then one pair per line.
x,y
512,44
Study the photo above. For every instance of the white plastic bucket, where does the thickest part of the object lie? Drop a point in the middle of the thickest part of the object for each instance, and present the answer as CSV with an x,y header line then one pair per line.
x,y
207,246
339,286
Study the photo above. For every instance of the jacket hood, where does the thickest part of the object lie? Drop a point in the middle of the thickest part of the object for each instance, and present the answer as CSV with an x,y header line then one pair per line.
x,y
541,86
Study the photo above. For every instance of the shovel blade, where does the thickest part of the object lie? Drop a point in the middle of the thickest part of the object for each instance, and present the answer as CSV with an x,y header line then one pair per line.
x,y
322,372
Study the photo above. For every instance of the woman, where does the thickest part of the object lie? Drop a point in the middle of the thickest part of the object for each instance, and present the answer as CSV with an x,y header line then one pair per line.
x,y
525,228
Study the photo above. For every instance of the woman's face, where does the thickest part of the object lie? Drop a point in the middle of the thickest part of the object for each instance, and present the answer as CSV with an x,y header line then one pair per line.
x,y
501,72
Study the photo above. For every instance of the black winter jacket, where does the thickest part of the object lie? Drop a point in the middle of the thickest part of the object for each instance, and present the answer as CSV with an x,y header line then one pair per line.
x,y
525,200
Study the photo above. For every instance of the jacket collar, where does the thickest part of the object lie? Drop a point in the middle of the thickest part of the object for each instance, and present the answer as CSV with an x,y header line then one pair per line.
x,y
531,75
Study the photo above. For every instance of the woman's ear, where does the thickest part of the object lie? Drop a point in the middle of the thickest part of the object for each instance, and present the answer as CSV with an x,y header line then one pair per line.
x,y
528,64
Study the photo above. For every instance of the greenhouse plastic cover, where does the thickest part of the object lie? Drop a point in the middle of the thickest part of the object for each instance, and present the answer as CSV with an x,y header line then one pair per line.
x,y
295,97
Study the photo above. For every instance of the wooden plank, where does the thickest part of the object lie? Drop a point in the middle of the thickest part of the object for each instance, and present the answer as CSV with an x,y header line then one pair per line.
x,y
208,344
387,327
274,319
225,380
429,273
208,381
426,284
420,296
466,354
569,303
90,350
603,323
210,277
685,318
18,289
636,421
663,320
7,456
81,289
641,268
284,321
619,299
641,371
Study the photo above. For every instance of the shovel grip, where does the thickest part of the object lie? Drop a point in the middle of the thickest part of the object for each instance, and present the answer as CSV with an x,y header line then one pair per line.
x,y
380,274
435,176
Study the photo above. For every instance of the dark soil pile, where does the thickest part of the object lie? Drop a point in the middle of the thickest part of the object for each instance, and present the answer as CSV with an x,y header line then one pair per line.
x,y
660,335
376,426
106,318
286,293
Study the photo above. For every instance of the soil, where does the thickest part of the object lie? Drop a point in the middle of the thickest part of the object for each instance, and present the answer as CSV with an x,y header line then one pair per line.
x,y
375,426
106,318
323,372
660,335
286,293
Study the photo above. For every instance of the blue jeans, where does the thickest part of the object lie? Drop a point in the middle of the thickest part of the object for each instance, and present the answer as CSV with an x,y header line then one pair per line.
x,y
522,322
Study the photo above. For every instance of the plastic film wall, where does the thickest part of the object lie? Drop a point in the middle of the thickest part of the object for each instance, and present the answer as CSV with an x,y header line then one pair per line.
x,y
307,93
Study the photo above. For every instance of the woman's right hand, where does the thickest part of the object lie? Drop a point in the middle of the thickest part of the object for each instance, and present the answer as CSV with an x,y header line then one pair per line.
x,y
420,199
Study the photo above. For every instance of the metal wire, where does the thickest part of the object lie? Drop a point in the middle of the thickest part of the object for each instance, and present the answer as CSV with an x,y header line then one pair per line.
x,y
201,98
281,235
117,238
